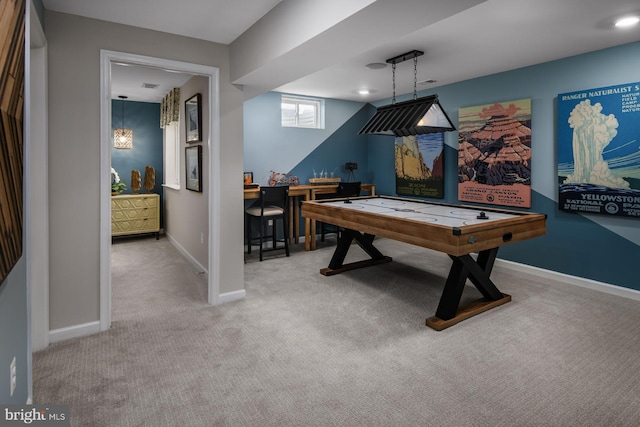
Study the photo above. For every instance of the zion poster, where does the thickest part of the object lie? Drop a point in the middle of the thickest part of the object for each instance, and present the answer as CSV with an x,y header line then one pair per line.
x,y
420,165
494,154
599,151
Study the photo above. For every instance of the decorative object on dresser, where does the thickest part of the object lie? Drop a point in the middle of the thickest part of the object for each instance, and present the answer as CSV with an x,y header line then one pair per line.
x,y
117,185
135,214
135,180
149,178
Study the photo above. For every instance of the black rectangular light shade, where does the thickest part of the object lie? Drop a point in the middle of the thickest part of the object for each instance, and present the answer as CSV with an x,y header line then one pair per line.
x,y
414,117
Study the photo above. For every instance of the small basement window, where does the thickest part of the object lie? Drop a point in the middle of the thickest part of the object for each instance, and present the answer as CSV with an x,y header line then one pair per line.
x,y
302,112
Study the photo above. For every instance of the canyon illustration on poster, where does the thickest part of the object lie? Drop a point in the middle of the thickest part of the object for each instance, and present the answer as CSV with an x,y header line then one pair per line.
x,y
494,154
599,151
419,164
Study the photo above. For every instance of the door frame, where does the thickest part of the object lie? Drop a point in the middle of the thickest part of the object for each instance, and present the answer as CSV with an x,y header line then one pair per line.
x,y
108,57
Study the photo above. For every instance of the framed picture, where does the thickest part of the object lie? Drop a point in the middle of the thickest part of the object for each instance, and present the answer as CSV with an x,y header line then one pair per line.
x,y
248,178
193,167
193,118
11,136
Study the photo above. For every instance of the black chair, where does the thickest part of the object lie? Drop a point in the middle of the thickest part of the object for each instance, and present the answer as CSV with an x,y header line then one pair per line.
x,y
344,190
271,207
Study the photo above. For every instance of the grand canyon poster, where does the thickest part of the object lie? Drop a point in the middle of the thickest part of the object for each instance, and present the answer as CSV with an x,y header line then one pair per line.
x,y
494,154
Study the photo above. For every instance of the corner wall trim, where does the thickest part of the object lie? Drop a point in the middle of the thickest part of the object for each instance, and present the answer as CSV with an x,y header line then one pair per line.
x,y
186,254
572,280
74,331
232,296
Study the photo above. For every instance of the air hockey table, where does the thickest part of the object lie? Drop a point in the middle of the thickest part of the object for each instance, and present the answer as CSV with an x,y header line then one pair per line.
x,y
457,230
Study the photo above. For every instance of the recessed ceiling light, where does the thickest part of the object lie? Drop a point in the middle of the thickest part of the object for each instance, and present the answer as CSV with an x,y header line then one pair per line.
x,y
428,81
364,92
376,65
627,21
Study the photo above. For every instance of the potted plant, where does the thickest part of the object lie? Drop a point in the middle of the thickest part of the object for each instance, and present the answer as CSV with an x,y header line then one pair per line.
x,y
117,186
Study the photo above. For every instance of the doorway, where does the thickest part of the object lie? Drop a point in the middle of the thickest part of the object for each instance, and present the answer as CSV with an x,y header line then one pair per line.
x,y
107,59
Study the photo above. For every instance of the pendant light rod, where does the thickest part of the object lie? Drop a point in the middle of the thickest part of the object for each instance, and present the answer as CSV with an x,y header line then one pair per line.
x,y
405,57
122,97
401,58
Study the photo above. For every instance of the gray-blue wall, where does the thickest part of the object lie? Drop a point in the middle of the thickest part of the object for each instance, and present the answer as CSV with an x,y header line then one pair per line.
x,y
14,324
588,246
14,333
144,119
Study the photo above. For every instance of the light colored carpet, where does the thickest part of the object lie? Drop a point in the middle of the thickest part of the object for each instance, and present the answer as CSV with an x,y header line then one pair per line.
x,y
349,350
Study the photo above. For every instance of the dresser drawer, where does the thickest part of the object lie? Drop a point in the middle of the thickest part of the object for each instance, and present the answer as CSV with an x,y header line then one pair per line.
x,y
147,225
130,214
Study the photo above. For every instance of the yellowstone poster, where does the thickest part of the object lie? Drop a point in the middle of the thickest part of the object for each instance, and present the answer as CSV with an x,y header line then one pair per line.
x,y
420,165
599,151
494,154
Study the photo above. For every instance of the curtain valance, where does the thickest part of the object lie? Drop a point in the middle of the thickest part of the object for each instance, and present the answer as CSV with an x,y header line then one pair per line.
x,y
170,107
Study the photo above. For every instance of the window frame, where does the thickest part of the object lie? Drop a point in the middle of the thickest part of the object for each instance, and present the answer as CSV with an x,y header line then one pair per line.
x,y
172,153
316,103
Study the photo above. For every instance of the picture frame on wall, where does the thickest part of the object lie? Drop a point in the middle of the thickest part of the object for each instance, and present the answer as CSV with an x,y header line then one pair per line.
x,y
193,118
11,136
193,168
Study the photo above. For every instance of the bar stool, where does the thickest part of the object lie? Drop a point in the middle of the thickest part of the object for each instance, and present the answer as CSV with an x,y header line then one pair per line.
x,y
271,207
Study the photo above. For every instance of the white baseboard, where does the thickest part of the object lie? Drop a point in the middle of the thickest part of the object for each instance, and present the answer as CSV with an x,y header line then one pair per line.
x,y
74,331
186,254
232,296
571,280
222,298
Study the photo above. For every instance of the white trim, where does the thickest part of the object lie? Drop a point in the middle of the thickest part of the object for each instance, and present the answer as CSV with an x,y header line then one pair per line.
x,y
36,187
36,201
186,254
215,187
215,178
232,296
74,331
105,184
571,280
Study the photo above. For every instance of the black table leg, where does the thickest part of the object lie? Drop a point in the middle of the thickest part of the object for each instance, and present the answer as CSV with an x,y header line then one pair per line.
x,y
365,241
478,272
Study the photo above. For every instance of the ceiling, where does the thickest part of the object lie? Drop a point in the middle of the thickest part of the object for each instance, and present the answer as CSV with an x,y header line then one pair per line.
x,y
462,39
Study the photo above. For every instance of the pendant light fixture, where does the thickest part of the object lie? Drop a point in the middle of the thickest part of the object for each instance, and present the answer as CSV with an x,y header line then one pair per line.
x,y
415,117
122,137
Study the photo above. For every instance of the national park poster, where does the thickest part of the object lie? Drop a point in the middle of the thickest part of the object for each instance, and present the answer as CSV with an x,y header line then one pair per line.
x,y
599,151
494,153
420,165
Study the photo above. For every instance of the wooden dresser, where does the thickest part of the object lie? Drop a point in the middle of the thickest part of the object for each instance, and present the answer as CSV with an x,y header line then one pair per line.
x,y
135,214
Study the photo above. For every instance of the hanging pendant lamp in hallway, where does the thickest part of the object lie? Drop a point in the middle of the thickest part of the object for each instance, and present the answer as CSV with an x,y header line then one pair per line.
x,y
122,137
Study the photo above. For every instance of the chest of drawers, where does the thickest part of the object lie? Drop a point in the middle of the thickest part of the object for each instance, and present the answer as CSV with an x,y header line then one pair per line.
x,y
135,214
